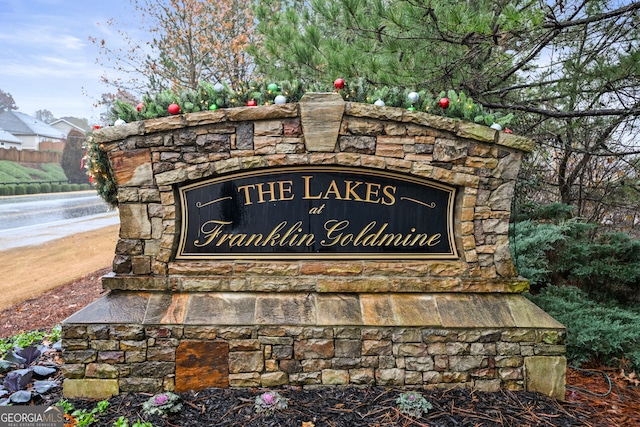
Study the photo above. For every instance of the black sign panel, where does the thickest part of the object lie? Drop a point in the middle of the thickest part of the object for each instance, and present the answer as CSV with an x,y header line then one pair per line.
x,y
316,213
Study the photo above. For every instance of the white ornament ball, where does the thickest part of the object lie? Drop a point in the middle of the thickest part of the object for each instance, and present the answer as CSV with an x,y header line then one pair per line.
x,y
379,103
218,87
413,96
280,99
496,126
119,122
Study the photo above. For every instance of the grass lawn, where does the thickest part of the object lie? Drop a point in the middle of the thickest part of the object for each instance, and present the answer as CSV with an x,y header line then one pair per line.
x,y
29,172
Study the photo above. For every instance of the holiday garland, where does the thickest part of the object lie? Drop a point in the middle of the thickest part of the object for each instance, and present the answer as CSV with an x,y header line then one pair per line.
x,y
211,97
214,96
99,169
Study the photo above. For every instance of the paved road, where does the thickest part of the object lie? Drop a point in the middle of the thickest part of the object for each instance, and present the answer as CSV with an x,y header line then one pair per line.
x,y
32,220
21,211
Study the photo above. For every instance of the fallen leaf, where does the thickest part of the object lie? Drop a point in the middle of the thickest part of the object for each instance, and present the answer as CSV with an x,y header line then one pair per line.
x,y
307,424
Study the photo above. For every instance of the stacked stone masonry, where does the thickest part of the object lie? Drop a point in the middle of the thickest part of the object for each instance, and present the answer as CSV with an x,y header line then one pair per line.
x,y
151,158
143,359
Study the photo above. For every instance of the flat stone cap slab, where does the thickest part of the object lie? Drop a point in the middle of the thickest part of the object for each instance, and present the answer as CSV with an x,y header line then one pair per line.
x,y
438,310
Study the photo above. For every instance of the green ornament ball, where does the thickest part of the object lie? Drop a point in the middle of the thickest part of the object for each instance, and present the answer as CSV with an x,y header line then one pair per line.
x,y
272,87
213,107
412,108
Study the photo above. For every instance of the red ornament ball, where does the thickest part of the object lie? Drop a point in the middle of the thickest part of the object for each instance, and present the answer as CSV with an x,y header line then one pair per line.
x,y
444,103
95,127
140,106
339,84
507,130
173,109
252,103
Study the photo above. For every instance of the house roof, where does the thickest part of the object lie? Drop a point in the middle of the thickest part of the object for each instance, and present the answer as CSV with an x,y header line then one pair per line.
x,y
23,124
7,137
52,124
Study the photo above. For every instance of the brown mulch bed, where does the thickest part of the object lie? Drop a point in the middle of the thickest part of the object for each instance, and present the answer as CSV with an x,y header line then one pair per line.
x,y
52,307
594,398
350,406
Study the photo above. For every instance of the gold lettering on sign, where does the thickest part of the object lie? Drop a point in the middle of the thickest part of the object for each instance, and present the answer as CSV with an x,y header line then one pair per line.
x,y
336,236
326,212
349,190
283,191
280,235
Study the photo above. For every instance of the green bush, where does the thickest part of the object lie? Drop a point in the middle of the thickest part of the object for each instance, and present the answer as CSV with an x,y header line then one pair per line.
x,y
4,190
551,212
55,188
74,187
33,188
12,190
532,248
20,189
604,265
65,188
85,187
45,188
72,155
580,254
596,331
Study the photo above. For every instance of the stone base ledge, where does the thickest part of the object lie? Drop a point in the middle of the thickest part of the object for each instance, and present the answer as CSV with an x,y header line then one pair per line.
x,y
323,284
436,310
150,342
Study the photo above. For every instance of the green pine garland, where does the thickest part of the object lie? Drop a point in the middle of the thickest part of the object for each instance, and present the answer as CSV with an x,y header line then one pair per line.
x,y
212,97
99,169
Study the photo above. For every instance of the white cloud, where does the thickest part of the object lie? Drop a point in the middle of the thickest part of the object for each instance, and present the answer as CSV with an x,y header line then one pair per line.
x,y
39,38
47,60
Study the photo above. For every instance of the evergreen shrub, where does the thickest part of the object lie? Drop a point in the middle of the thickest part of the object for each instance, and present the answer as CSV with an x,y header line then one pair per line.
x,y
533,250
572,252
45,188
12,190
33,188
600,332
64,188
606,264
55,188
4,190
20,190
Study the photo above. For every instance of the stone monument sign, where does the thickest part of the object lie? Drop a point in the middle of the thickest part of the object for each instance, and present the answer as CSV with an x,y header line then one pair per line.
x,y
314,243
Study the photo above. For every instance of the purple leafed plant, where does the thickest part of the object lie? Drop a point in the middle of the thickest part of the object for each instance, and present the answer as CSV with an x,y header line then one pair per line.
x,y
18,386
269,402
162,404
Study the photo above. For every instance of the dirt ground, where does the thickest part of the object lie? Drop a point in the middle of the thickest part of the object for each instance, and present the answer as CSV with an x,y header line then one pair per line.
x,y
30,271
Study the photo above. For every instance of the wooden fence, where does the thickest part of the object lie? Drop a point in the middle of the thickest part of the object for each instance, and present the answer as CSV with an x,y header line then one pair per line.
x,y
30,156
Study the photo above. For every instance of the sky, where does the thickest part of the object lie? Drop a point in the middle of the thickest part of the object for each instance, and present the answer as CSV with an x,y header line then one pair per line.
x,y
46,59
